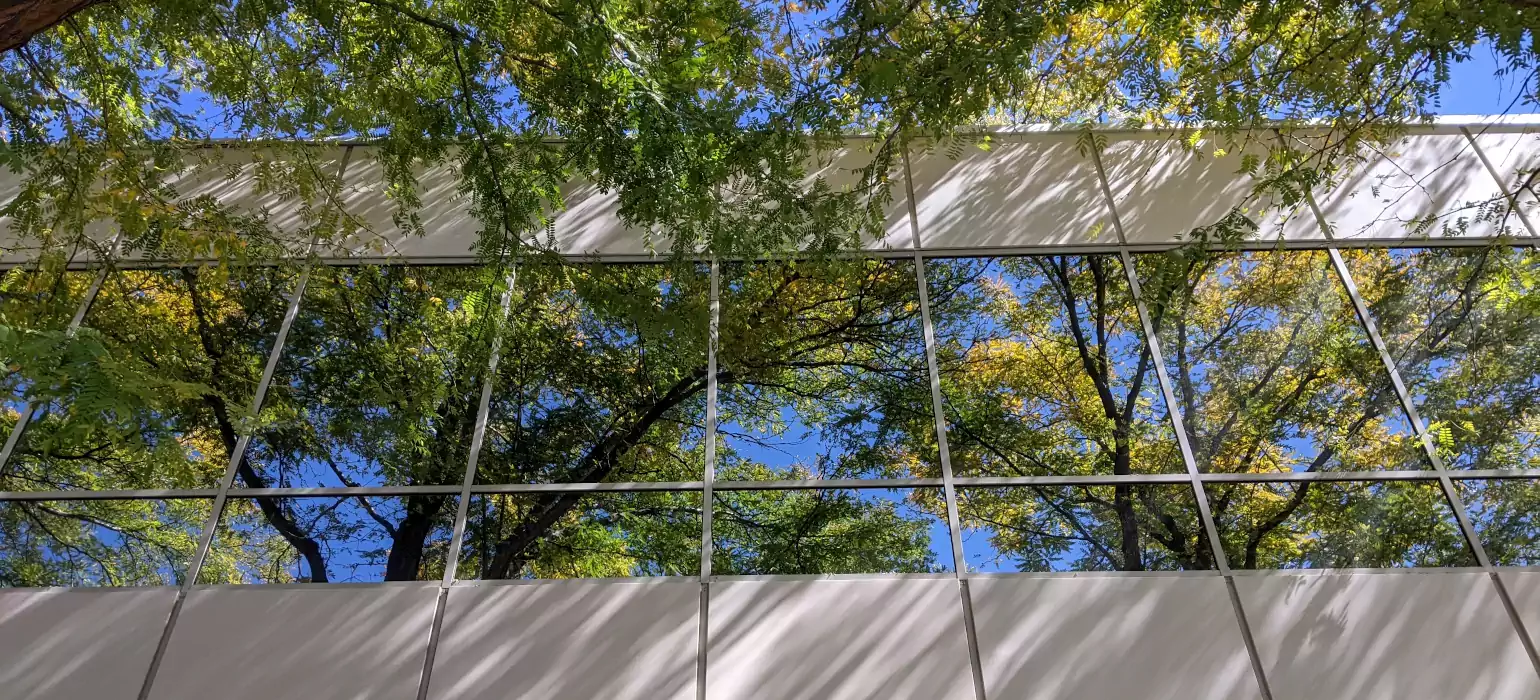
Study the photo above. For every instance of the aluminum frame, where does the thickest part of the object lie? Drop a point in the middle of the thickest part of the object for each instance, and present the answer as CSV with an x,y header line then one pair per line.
x,y
948,482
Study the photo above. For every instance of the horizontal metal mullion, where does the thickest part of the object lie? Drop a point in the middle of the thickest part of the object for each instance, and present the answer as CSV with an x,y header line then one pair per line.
x,y
345,491
1068,480
118,495
1276,477
790,484
619,486
1458,474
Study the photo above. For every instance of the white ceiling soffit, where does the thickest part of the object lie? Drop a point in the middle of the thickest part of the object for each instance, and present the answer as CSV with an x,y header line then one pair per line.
x,y
1163,189
1423,186
1026,190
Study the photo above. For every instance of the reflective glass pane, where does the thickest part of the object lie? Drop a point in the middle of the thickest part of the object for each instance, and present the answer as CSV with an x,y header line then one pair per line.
x,y
156,388
380,379
1337,524
1463,325
98,542
1044,369
574,535
1270,366
823,371
603,376
36,305
829,531
1506,515
1127,527
331,539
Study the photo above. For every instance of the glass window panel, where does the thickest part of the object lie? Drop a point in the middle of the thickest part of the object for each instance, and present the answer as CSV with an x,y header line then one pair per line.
x,y
1337,524
380,379
571,535
331,539
1044,369
98,542
829,531
157,386
1126,527
1463,325
823,372
1270,366
36,304
1506,515
603,376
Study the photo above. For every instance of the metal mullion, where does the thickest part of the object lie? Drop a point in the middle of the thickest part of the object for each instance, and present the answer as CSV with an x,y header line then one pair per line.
x,y
478,435
709,473
1513,200
702,641
1294,477
937,412
943,450
1205,513
115,495
1068,480
206,539
324,491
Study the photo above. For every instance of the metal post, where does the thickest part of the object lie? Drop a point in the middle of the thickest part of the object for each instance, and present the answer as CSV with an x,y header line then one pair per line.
x,y
943,450
708,477
478,436
1205,513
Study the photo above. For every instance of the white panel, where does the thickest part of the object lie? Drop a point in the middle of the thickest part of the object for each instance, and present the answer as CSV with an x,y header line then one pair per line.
x,y
1516,158
1110,637
1390,636
65,644
1417,177
841,170
320,642
615,641
1025,191
1164,190
1524,589
897,639
449,229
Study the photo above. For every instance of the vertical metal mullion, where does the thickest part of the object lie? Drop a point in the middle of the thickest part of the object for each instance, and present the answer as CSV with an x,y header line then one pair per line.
x,y
1205,513
708,477
478,435
943,450
25,415
1513,200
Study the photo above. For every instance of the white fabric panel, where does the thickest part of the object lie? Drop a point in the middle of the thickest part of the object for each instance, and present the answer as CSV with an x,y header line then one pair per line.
x,y
841,170
1093,636
67,644
1390,636
1031,190
1163,190
1421,175
569,639
320,642
1516,158
837,640
1524,589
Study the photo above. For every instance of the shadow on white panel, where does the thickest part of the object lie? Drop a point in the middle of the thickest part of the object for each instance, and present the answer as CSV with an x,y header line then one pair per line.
x,y
1164,190
1149,637
1022,192
1386,636
555,641
314,642
449,229
1421,186
1516,158
64,644
837,640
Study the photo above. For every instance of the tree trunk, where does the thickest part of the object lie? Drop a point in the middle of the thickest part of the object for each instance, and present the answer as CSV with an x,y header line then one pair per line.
x,y
406,548
21,19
